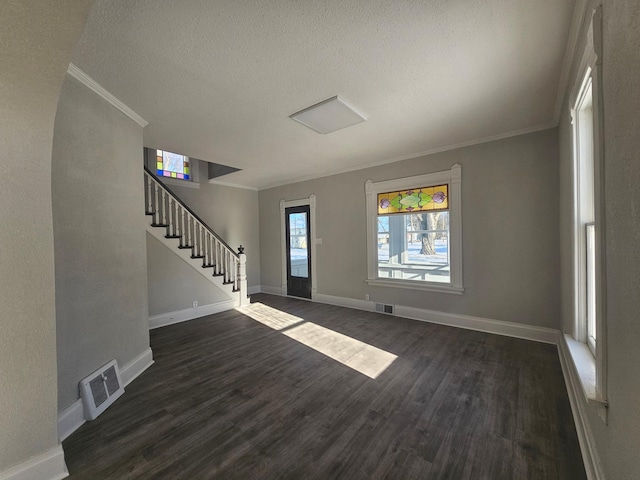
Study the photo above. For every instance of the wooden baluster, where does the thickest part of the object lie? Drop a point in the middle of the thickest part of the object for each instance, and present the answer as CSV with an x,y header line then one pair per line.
x,y
191,232
198,239
205,246
223,267
222,264
195,236
164,207
186,230
171,228
180,224
148,178
157,204
216,269
201,238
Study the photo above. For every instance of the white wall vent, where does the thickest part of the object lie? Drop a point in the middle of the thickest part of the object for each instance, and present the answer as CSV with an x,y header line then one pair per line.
x,y
382,308
100,389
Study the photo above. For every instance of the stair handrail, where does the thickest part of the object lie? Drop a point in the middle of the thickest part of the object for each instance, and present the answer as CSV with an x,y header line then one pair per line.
x,y
186,207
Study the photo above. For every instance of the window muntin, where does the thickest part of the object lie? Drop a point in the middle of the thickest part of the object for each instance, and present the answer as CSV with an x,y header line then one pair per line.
x,y
172,165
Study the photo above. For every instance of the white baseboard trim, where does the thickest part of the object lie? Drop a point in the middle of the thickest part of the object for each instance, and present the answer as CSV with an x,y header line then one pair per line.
x,y
271,290
254,289
47,466
499,327
179,316
590,456
345,302
136,367
72,418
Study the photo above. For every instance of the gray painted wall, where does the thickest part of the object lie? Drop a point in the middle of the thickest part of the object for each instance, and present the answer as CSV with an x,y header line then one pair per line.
x,y
172,284
618,441
33,60
99,237
510,231
231,212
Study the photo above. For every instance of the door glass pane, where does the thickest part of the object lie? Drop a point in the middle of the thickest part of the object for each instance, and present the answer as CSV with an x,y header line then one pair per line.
x,y
298,252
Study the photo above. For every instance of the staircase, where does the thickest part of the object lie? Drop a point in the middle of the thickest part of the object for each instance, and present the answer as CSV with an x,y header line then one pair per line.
x,y
178,227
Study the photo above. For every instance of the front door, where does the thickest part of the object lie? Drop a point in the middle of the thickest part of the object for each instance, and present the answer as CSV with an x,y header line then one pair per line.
x,y
298,251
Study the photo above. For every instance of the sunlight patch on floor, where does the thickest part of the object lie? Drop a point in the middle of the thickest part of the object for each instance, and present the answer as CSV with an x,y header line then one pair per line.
x,y
362,357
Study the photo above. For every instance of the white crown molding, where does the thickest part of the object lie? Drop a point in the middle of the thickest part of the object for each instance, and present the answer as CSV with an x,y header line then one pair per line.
x,y
90,83
567,61
590,456
187,314
47,466
470,143
72,418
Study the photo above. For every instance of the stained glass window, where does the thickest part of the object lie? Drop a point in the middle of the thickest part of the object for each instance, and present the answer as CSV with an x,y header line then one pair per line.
x,y
414,200
172,165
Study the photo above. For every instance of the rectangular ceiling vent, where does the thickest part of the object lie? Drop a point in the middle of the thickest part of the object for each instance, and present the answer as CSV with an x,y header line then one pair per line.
x,y
101,389
328,116
382,308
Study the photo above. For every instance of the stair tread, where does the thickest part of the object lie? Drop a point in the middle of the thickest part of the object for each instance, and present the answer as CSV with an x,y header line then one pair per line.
x,y
159,225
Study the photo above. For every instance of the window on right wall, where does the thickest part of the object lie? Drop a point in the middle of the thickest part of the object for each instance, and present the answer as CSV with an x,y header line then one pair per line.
x,y
588,220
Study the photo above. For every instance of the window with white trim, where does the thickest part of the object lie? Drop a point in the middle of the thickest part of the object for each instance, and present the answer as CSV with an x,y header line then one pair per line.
x,y
414,232
587,341
173,168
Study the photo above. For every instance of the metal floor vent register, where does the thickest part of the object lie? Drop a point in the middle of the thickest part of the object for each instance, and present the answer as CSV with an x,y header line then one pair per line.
x,y
382,308
101,389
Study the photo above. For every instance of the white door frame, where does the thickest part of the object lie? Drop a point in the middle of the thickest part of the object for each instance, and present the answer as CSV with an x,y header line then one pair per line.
x,y
284,204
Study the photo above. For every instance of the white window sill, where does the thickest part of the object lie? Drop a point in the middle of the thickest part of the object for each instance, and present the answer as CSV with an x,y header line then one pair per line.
x,y
585,365
413,285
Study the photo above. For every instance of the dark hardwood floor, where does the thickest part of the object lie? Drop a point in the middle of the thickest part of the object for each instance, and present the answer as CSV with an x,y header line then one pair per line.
x,y
230,397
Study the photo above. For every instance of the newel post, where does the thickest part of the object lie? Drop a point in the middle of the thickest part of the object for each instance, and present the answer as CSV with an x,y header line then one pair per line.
x,y
242,277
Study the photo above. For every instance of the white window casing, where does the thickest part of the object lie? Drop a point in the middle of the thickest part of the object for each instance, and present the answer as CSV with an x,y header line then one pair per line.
x,y
451,177
589,272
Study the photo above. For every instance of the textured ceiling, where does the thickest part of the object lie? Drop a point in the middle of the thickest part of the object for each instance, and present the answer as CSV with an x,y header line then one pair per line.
x,y
217,80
